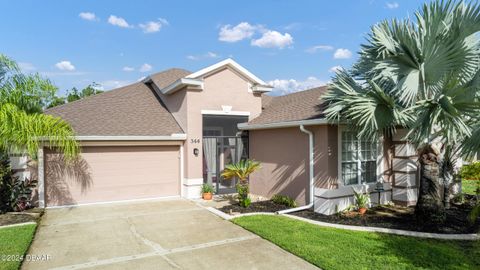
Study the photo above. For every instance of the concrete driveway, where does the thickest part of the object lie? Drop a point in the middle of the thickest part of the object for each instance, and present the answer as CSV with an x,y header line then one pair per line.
x,y
174,234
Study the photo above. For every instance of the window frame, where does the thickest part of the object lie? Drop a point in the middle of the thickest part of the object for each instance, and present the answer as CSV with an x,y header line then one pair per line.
x,y
379,161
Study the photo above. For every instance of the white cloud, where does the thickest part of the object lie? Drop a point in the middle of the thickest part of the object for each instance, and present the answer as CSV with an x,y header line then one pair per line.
x,y
239,32
145,68
314,49
273,39
334,69
141,78
153,26
392,5
287,86
128,69
111,84
65,65
89,16
26,67
118,21
342,54
203,56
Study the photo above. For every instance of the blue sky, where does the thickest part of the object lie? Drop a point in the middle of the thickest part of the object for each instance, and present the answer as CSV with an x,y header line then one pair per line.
x,y
292,44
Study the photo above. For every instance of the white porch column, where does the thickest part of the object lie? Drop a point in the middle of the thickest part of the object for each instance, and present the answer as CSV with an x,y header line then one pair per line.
x,y
41,178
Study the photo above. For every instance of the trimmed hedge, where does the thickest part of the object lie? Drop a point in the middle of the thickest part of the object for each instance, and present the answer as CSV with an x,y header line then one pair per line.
x,y
284,200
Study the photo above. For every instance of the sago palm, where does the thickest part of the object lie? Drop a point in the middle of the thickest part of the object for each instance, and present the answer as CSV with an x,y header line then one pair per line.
x,y
241,171
23,128
421,74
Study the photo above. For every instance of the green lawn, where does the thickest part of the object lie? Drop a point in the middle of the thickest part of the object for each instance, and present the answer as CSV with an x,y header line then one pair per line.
x,y
14,241
330,248
469,186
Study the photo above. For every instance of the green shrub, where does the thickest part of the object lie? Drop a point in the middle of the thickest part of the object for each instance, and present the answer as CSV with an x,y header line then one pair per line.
x,y
243,199
284,200
470,171
245,202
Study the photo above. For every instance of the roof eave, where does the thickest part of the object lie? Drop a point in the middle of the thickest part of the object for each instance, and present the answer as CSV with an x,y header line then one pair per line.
x,y
286,124
262,88
181,83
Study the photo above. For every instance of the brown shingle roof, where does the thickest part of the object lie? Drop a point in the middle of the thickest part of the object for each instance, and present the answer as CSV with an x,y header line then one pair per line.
x,y
133,110
266,100
302,105
165,78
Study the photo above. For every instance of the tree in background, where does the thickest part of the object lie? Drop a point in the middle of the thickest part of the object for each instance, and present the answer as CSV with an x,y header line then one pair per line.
x,y
74,94
422,74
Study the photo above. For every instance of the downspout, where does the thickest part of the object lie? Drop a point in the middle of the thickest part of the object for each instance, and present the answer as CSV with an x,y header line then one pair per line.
x,y
311,174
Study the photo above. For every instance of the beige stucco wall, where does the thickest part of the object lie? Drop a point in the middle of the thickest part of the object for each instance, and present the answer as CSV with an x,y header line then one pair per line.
x,y
225,87
112,173
284,157
283,153
326,156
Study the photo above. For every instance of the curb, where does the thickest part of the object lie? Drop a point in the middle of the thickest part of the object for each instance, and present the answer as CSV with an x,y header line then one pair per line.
x,y
440,236
17,224
469,237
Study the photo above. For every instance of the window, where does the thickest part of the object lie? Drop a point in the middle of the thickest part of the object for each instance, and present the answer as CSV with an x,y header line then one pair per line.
x,y
359,159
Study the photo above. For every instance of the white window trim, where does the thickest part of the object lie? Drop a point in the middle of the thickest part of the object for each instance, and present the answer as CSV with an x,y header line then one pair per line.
x,y
339,157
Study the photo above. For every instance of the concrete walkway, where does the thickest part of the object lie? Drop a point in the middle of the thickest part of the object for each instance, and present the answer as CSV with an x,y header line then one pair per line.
x,y
174,234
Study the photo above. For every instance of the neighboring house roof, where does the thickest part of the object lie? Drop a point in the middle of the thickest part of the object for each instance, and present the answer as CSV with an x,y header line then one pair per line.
x,y
303,105
133,110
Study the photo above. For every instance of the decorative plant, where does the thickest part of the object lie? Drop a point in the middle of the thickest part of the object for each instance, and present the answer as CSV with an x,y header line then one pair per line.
x,y
241,171
284,200
361,201
207,188
207,191
14,193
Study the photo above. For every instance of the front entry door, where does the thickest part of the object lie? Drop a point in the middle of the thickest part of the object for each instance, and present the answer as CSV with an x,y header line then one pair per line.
x,y
220,151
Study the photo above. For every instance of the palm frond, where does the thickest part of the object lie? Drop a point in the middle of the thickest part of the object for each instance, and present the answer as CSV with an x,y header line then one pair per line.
x,y
21,132
240,170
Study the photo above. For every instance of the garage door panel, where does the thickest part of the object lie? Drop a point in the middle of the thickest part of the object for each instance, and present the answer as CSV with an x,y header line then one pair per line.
x,y
112,174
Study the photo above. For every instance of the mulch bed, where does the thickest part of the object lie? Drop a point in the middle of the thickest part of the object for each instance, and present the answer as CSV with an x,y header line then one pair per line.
x,y
20,217
403,218
260,206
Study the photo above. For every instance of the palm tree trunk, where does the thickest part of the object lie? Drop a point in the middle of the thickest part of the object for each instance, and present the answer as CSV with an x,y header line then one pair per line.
x,y
430,209
447,181
448,172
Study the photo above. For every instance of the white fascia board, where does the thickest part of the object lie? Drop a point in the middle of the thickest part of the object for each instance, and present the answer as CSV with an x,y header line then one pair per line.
x,y
173,137
227,62
180,83
246,126
262,88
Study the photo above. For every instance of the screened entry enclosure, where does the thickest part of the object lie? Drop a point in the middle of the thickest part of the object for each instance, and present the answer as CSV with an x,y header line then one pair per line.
x,y
223,144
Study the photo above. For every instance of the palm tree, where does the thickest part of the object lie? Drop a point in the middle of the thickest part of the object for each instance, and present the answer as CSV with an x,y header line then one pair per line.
x,y
241,171
421,74
23,127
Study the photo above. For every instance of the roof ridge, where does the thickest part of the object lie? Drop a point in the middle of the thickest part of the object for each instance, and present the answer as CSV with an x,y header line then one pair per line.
x,y
303,91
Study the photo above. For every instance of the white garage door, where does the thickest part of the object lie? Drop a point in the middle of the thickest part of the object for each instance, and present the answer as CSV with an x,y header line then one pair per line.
x,y
112,173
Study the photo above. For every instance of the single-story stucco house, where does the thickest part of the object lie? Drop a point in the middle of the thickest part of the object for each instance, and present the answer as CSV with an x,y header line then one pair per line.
x,y
175,130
